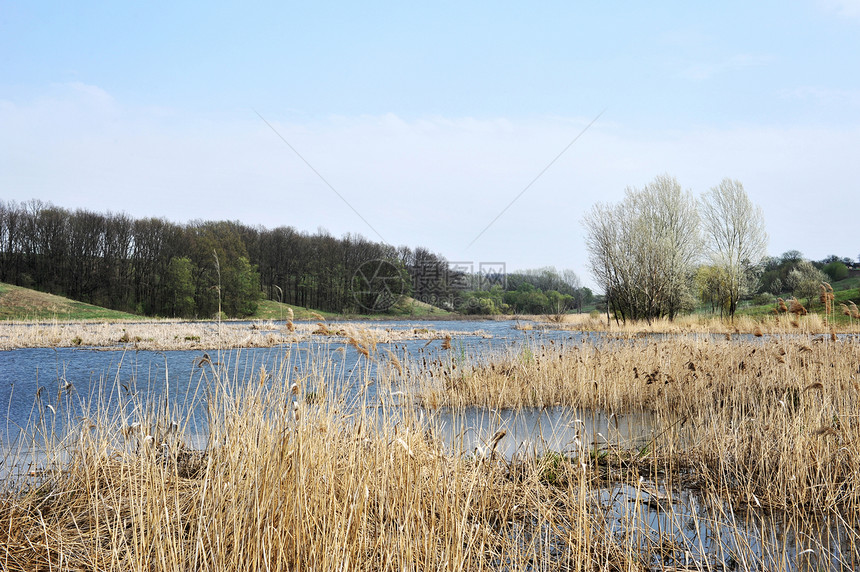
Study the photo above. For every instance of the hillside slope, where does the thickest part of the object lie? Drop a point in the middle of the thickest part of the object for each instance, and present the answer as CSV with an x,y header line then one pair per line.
x,y
17,303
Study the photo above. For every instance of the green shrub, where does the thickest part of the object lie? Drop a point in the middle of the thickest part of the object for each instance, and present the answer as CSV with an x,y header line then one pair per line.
x,y
836,271
764,299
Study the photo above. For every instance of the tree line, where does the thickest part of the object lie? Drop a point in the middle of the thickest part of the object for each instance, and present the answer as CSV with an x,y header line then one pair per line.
x,y
534,291
152,266
790,273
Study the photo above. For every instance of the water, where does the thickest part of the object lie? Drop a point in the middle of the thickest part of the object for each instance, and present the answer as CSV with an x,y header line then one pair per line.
x,y
77,380
682,527
533,432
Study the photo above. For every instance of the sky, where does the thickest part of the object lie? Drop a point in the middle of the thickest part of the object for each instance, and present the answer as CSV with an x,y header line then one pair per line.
x,y
483,131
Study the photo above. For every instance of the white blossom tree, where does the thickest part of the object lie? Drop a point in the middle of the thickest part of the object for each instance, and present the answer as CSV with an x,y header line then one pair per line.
x,y
735,237
642,250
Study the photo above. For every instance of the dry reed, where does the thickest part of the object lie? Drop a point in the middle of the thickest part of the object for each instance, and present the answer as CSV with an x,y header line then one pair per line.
x,y
797,308
776,323
173,335
746,412
336,487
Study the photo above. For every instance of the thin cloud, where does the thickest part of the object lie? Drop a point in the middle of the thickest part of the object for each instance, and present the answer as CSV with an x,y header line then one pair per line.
x,y
93,92
845,8
824,95
706,71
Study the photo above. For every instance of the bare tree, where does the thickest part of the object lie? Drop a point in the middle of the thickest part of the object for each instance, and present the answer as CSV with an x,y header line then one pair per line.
x,y
572,281
643,249
604,257
669,221
735,236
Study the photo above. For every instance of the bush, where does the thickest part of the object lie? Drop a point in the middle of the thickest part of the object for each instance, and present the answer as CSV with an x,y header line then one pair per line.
x,y
836,270
764,299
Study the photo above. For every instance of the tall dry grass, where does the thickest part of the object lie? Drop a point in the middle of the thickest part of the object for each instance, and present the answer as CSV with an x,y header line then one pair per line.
x,y
782,323
762,431
767,421
290,480
177,335
301,471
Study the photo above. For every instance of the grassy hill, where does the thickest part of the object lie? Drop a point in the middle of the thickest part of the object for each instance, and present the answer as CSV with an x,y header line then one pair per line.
x,y
412,307
271,310
18,303
844,291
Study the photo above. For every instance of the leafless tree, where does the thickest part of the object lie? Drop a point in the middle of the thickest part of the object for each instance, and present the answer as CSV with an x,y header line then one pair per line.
x,y
735,236
642,250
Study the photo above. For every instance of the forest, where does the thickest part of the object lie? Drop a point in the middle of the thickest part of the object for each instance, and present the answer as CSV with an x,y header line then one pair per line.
x,y
155,267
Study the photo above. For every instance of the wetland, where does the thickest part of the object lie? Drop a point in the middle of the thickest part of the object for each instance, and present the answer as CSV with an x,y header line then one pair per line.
x,y
498,445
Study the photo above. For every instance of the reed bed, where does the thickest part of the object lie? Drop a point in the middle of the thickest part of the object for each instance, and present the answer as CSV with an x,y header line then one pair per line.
x,y
751,464
289,480
175,335
766,423
781,323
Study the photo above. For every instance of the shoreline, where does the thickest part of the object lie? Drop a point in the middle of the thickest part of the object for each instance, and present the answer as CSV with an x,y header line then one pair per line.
x,y
170,335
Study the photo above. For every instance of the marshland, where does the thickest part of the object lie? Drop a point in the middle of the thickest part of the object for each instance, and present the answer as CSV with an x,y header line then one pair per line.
x,y
413,287
504,445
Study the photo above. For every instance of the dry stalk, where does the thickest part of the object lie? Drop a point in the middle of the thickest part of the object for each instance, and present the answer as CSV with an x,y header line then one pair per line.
x,y
319,491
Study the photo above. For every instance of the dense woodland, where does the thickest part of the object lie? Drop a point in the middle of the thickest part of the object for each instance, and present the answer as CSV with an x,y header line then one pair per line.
x,y
155,267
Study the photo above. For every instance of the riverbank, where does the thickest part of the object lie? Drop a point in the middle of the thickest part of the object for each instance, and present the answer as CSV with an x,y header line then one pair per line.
x,y
810,324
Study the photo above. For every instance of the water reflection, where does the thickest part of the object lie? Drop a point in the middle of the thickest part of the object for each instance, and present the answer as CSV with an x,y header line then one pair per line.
x,y
78,378
531,432
685,528
671,525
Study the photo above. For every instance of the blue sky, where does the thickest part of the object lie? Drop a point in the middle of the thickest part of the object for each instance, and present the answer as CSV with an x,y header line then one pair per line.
x,y
430,119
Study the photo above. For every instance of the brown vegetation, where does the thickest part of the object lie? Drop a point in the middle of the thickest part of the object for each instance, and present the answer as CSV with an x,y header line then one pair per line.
x,y
780,322
174,335
741,415
297,478
293,483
